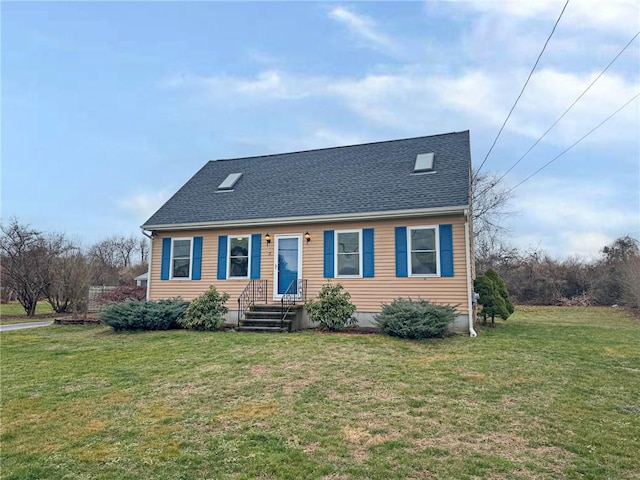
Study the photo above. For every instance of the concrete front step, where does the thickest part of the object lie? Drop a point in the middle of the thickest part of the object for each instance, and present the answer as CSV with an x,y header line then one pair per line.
x,y
260,315
268,318
274,307
265,322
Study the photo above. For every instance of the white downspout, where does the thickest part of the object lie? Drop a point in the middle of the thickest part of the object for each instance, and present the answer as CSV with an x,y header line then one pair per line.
x,y
472,332
150,237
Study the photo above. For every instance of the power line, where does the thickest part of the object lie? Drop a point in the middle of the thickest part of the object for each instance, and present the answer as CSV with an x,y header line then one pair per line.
x,y
570,107
561,116
523,88
575,143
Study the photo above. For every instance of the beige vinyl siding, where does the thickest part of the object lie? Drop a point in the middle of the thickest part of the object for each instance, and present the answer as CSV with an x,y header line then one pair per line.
x,y
367,293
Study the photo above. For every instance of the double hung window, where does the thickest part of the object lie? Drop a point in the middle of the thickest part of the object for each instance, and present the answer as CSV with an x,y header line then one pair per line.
x,y
349,253
239,256
423,251
181,258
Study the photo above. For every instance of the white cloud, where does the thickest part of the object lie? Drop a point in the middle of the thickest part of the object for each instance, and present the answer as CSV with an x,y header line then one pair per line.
x,y
585,14
580,216
362,26
412,99
266,85
144,204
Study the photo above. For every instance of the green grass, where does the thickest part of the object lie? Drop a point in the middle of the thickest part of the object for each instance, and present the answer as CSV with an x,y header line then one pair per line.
x,y
551,393
13,312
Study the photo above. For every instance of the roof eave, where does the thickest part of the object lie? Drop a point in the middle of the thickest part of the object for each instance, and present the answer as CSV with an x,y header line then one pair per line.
x,y
344,217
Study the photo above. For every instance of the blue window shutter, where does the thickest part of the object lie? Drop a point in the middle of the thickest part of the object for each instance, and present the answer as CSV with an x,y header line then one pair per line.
x,y
446,251
328,253
367,252
222,257
196,268
166,259
256,240
401,252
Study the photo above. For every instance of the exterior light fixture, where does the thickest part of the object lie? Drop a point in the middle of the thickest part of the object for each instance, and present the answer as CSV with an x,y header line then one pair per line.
x,y
267,237
307,237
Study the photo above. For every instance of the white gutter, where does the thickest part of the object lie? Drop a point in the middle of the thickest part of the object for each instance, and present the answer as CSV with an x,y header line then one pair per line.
x,y
472,332
344,217
149,262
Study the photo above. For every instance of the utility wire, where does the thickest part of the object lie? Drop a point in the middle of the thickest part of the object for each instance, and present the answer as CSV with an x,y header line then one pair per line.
x,y
560,117
575,143
521,91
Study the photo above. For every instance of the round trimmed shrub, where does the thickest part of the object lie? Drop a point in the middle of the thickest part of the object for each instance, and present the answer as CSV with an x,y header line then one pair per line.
x,y
333,310
416,319
206,312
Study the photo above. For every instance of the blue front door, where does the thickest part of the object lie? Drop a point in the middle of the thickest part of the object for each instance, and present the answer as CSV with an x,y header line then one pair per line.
x,y
287,266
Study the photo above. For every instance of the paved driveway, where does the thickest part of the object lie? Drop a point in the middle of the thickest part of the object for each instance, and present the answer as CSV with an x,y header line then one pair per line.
x,y
20,326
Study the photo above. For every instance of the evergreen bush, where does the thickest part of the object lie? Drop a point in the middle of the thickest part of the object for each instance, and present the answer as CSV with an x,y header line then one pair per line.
x,y
415,319
140,315
206,312
494,297
333,310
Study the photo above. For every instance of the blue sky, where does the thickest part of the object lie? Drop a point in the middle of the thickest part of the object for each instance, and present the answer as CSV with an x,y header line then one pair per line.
x,y
109,107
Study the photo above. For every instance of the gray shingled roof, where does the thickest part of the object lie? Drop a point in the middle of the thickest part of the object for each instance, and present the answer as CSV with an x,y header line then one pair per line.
x,y
372,177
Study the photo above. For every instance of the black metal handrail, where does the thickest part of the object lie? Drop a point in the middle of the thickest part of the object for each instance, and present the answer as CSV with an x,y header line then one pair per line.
x,y
295,292
255,291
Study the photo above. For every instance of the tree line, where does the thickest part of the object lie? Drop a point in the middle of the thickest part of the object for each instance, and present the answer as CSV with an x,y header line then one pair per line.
x,y
37,265
534,277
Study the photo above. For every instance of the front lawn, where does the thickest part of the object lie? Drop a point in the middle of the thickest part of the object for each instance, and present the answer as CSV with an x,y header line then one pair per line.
x,y
551,393
13,312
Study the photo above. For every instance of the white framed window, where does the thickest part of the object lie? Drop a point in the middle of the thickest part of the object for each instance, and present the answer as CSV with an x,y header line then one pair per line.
x,y
348,258
239,256
181,257
423,247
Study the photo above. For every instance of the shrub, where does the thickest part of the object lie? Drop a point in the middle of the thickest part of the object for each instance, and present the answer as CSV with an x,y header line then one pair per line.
x,y
333,310
137,315
502,289
122,293
206,312
414,319
494,297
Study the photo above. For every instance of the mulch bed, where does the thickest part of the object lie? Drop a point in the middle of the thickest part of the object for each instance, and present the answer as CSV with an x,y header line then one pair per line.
x,y
352,331
88,319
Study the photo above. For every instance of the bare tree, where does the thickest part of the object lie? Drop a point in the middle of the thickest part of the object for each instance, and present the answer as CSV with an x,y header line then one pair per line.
x,y
608,286
143,250
630,277
125,247
69,285
113,261
490,202
28,258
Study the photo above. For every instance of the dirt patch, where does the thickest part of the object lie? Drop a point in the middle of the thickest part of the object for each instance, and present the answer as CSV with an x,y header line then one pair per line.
x,y
258,370
362,440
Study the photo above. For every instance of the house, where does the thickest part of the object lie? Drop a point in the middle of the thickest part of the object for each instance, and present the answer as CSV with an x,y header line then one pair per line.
x,y
142,279
386,220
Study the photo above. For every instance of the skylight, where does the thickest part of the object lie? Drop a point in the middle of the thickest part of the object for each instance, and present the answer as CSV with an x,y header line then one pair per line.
x,y
230,181
424,162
